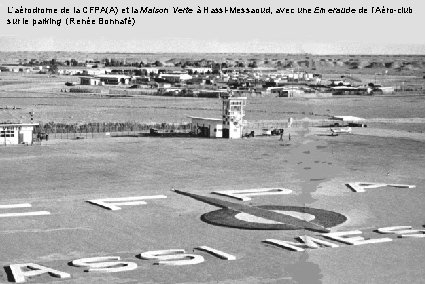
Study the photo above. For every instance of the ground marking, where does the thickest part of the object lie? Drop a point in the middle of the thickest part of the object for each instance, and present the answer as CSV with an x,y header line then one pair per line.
x,y
19,276
307,242
21,205
98,264
362,186
172,257
357,240
44,231
402,232
245,194
115,203
110,264
217,253
291,222
20,272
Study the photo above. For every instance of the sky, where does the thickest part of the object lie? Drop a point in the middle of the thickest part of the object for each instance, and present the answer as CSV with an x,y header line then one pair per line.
x,y
327,33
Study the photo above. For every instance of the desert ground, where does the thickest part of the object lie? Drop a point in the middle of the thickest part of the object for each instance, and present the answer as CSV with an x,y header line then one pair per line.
x,y
61,175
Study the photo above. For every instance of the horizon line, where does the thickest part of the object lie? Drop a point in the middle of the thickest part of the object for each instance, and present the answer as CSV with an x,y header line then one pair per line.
x,y
198,52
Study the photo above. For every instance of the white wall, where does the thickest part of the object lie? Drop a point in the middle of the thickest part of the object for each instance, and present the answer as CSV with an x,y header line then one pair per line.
x,y
8,140
26,131
212,124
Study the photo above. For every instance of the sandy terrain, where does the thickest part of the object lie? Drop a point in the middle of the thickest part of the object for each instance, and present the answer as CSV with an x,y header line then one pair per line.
x,y
60,176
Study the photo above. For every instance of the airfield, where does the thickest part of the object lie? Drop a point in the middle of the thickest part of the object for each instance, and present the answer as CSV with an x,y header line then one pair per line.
x,y
59,177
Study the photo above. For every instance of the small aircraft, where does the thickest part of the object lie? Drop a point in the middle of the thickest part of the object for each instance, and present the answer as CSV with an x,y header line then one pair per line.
x,y
337,131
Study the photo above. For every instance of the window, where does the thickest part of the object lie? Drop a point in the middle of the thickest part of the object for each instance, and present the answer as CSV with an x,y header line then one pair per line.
x,y
7,133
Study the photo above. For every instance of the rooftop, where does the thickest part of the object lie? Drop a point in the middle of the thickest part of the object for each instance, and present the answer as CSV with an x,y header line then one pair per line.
x,y
204,118
347,118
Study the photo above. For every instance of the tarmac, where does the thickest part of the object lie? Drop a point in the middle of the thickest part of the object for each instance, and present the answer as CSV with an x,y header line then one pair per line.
x,y
61,176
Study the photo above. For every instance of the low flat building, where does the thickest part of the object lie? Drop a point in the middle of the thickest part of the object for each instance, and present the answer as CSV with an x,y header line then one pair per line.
x,y
16,133
147,70
175,78
90,81
348,90
347,118
139,80
112,79
95,72
207,127
201,70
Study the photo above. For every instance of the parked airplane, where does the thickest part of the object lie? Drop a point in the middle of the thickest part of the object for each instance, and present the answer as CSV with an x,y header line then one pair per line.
x,y
337,131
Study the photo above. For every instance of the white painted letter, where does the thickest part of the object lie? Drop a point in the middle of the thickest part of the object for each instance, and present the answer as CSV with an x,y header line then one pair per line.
x,y
98,264
245,193
307,242
362,186
217,253
287,245
19,276
21,205
402,231
316,243
114,203
339,236
172,257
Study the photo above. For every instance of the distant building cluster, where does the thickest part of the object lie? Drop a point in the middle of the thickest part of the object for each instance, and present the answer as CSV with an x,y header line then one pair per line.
x,y
207,78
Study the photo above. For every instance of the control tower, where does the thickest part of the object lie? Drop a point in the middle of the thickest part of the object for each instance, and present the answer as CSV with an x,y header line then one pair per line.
x,y
232,116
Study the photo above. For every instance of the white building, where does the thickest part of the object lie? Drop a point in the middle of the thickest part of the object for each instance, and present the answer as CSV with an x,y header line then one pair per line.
x,y
16,133
113,79
148,70
175,78
90,81
231,124
207,127
232,116
95,72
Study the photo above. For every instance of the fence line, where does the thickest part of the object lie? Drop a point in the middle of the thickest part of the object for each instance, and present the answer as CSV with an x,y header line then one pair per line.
x,y
89,130
92,130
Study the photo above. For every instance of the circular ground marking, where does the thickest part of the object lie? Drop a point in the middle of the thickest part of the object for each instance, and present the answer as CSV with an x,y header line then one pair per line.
x,y
236,219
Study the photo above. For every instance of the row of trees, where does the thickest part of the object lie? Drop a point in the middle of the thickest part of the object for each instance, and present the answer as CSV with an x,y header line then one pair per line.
x,y
101,127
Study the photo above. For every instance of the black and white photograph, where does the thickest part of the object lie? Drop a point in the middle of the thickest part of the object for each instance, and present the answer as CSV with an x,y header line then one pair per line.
x,y
225,142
